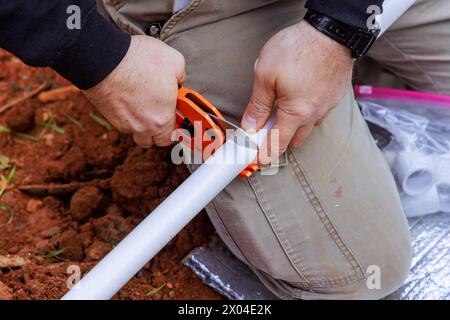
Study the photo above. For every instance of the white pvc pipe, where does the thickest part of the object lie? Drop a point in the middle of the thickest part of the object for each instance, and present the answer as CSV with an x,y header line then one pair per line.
x,y
424,204
392,11
166,221
415,172
443,184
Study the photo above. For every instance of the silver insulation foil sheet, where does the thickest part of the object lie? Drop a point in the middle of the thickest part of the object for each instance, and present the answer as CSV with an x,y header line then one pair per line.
x,y
429,277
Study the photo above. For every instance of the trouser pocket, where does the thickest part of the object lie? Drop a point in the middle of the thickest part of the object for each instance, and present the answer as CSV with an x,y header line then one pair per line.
x,y
137,16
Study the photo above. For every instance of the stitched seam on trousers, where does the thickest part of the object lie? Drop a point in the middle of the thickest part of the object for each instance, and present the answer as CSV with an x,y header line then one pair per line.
x,y
323,216
275,227
228,233
347,143
407,58
328,224
120,21
176,19
339,281
118,4
279,288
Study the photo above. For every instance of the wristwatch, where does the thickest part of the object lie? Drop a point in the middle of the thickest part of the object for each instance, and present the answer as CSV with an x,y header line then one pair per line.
x,y
359,41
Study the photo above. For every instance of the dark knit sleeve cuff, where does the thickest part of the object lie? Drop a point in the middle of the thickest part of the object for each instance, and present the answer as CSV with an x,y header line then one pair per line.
x,y
96,49
352,12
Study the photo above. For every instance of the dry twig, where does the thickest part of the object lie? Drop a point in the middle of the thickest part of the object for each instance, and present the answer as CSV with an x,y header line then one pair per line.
x,y
23,98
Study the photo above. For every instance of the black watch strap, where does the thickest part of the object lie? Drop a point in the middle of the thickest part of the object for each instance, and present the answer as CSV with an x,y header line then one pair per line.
x,y
357,40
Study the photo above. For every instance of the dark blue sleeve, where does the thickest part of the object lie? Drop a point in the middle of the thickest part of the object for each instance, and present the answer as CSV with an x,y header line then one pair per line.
x,y
351,12
36,31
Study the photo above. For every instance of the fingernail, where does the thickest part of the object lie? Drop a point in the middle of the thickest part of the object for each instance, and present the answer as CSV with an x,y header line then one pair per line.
x,y
256,63
249,123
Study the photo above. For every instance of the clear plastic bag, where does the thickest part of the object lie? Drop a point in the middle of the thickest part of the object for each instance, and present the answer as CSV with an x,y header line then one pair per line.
x,y
419,150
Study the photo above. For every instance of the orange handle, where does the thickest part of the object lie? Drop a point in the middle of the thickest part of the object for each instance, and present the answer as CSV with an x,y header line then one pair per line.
x,y
193,115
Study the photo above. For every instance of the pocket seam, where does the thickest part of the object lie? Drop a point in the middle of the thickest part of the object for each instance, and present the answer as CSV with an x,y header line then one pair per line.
x,y
307,283
276,229
318,207
220,220
177,18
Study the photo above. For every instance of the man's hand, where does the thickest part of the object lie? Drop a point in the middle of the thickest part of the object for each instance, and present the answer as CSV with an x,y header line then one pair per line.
x,y
140,95
306,74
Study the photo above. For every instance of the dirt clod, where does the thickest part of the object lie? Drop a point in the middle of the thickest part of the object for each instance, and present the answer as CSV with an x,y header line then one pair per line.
x,y
86,201
71,243
111,228
97,250
34,204
20,118
140,184
6,293
50,232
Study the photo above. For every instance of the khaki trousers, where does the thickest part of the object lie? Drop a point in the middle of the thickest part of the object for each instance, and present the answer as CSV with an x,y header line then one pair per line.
x,y
330,224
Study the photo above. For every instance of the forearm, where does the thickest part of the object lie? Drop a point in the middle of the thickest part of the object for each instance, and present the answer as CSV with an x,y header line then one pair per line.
x,y
36,31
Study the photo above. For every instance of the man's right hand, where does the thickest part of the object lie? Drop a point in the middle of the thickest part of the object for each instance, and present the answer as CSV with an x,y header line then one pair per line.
x,y
140,95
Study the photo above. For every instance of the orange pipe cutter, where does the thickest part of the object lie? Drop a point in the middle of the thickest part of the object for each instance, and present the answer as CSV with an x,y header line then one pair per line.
x,y
192,107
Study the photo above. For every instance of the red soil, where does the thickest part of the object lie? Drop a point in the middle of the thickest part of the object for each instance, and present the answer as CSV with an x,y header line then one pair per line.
x,y
94,186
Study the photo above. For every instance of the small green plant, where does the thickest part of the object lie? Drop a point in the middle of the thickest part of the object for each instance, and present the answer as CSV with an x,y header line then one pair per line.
x,y
4,165
101,121
154,291
25,136
7,180
6,208
4,162
56,254
73,120
50,125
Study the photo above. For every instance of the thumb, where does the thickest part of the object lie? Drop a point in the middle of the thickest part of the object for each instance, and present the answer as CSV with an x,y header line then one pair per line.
x,y
181,77
179,63
260,106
